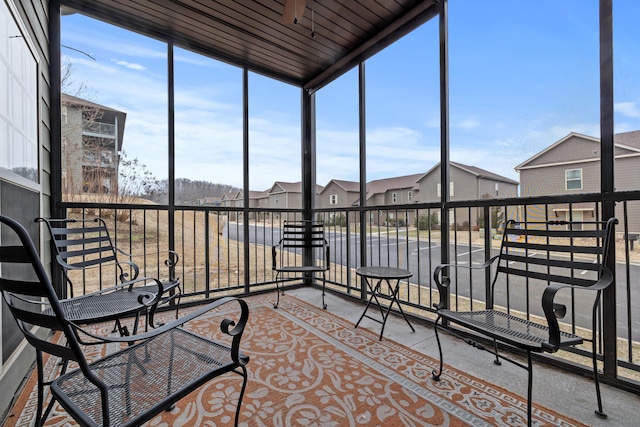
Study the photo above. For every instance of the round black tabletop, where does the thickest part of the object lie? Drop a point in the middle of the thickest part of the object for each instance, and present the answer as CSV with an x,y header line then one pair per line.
x,y
384,272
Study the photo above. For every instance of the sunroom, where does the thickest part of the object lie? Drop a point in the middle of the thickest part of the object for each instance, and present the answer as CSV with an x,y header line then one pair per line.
x,y
205,126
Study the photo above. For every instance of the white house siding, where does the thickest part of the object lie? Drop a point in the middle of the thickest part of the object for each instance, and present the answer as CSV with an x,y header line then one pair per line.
x,y
17,361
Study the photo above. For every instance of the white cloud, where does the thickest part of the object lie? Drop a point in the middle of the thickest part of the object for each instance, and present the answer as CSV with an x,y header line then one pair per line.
x,y
628,109
468,123
130,65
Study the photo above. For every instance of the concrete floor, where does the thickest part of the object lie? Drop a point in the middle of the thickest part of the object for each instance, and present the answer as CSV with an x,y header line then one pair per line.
x,y
564,392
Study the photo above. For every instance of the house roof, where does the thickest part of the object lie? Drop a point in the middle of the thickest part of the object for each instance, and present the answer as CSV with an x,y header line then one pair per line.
x,y
74,100
474,170
625,140
349,186
108,113
379,186
256,34
212,200
258,194
290,187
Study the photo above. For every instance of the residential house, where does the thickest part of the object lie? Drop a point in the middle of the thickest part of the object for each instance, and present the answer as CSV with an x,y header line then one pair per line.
x,y
226,199
92,136
467,183
287,195
235,199
260,200
339,194
571,166
212,201
401,190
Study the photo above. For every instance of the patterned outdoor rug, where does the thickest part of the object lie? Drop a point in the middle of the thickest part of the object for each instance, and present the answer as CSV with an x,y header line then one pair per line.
x,y
310,368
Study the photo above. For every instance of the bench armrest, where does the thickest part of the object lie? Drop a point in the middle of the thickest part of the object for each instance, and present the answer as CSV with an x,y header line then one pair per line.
x,y
553,311
233,328
443,281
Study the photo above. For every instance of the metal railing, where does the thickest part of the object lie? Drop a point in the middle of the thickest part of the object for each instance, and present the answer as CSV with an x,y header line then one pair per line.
x,y
228,251
99,128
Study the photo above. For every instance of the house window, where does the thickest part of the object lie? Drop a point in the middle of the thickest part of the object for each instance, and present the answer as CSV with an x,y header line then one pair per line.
x,y
410,196
394,197
275,199
333,199
440,192
64,115
19,119
573,179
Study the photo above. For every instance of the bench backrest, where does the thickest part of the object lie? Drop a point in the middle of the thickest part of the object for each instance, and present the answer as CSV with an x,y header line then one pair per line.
x,y
531,253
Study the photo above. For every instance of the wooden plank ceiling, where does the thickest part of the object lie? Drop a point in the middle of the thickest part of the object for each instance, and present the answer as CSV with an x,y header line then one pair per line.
x,y
253,33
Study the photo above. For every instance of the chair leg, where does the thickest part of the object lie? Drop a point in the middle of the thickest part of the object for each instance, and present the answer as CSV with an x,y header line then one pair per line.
x,y
178,298
495,352
529,387
39,419
596,377
41,416
324,281
275,305
244,386
436,375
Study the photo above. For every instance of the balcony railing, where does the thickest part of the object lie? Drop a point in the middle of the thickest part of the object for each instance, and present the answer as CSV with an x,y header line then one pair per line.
x,y
228,251
98,128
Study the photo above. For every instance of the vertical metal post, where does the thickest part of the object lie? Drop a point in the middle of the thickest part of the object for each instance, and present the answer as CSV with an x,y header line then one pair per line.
x,y
245,176
362,107
55,133
308,149
172,148
486,225
607,183
444,132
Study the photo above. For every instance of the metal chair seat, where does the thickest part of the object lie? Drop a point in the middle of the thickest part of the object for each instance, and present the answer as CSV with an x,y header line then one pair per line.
x,y
144,379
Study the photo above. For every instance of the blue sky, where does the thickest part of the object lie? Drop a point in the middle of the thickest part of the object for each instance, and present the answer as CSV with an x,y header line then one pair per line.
x,y
523,75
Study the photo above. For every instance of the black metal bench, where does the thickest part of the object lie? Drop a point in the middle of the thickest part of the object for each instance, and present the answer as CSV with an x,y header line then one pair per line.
x,y
541,259
133,384
298,236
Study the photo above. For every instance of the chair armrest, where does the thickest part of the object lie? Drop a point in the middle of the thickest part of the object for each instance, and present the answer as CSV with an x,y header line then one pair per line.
x,y
273,257
443,281
171,261
233,328
553,311
327,251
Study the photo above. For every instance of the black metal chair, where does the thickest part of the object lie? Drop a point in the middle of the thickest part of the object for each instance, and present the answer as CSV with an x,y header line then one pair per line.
x,y
129,386
81,245
296,236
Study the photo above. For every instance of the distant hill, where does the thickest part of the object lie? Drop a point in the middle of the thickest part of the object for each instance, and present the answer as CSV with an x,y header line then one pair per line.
x,y
188,191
